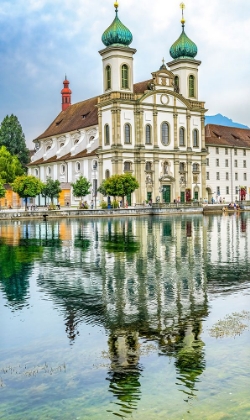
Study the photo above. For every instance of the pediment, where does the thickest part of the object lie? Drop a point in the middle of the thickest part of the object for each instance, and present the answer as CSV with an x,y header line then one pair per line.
x,y
167,178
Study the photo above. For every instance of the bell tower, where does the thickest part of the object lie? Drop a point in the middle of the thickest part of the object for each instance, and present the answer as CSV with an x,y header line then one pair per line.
x,y
117,57
66,95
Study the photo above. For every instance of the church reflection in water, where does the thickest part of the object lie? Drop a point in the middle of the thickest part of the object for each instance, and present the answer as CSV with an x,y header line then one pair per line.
x,y
140,279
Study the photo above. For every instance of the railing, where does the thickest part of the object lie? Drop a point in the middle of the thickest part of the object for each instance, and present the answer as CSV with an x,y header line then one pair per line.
x,y
197,104
117,95
176,205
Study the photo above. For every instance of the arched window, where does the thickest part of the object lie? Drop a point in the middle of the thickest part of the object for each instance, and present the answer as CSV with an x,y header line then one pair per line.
x,y
195,138
181,137
106,134
191,86
148,166
78,166
127,166
47,148
108,77
148,134
62,169
124,76
127,130
107,174
165,133
36,172
195,167
176,84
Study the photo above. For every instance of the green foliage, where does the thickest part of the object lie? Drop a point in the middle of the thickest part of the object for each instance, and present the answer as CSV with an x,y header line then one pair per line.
x,y
103,204
10,167
81,187
12,137
118,185
27,186
115,204
51,189
2,191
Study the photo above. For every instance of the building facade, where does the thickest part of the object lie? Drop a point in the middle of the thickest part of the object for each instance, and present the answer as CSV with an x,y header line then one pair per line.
x,y
153,129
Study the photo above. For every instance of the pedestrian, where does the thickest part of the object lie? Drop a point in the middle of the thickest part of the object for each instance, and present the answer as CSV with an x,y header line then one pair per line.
x,y
92,204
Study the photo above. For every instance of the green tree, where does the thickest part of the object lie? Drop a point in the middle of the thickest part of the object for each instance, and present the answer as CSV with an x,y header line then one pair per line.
x,y
12,137
118,185
81,187
51,189
10,166
2,190
27,186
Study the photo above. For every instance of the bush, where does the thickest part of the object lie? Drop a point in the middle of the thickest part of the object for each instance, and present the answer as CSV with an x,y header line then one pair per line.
x,y
115,204
84,205
103,204
52,206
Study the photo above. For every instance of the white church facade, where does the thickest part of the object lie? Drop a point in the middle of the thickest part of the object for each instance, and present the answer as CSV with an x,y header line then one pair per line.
x,y
154,129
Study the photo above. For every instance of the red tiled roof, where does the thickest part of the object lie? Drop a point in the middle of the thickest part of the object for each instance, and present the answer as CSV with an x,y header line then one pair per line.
x,y
220,135
76,116
142,86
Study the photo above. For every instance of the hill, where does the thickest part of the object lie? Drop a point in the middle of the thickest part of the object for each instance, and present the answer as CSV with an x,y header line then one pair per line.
x,y
221,120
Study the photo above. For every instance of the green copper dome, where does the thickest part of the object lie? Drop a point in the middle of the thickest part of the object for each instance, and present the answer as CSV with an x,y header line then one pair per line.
x,y
183,47
117,33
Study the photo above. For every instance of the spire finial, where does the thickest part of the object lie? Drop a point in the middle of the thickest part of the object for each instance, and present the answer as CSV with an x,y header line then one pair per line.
x,y
163,61
65,77
116,5
182,6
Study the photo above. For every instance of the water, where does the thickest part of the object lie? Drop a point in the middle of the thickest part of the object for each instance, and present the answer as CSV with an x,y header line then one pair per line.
x,y
143,318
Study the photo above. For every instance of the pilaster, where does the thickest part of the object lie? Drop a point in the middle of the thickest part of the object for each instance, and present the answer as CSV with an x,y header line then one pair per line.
x,y
188,117
155,127
176,175
175,115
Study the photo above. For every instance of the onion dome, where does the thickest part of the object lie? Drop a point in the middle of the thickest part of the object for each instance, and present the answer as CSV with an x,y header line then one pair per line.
x,y
183,47
117,33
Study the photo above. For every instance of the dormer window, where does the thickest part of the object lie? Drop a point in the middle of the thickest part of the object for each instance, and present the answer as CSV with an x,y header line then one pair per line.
x,y
47,148
85,115
91,138
61,145
76,141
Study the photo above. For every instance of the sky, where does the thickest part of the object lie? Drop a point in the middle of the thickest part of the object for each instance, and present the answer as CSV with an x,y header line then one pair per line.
x,y
42,40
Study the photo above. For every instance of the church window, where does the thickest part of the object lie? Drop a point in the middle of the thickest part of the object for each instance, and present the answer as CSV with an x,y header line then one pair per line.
x,y
195,138
195,167
127,166
165,134
148,166
106,134
191,86
108,77
181,137
148,134
107,174
78,166
127,129
124,76
94,164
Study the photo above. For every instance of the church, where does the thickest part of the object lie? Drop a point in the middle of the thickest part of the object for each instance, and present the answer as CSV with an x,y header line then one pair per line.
x,y
154,129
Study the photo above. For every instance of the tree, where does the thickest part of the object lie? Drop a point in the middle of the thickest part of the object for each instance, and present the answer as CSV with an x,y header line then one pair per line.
x,y
12,137
10,166
51,189
81,187
27,186
118,185
2,190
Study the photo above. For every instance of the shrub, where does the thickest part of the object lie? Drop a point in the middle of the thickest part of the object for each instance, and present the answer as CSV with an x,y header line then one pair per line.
x,y
115,204
103,204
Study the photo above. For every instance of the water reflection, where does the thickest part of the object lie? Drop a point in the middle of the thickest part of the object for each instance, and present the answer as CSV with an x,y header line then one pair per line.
x,y
140,279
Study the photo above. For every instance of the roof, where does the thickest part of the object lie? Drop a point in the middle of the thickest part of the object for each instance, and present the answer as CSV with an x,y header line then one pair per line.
x,y
142,86
80,115
220,135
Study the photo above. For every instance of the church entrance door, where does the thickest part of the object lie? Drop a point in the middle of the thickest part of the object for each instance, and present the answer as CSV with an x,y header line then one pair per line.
x,y
166,193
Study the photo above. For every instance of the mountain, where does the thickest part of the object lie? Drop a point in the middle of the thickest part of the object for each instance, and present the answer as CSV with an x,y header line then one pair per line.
x,y
221,120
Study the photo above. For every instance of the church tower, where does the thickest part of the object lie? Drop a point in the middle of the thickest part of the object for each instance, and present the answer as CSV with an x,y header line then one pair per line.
x,y
117,57
184,65
66,95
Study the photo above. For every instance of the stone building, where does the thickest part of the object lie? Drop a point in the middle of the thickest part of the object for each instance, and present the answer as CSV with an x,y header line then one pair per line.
x,y
153,129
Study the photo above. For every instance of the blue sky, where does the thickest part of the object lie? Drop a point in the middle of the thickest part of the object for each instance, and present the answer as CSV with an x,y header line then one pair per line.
x,y
41,40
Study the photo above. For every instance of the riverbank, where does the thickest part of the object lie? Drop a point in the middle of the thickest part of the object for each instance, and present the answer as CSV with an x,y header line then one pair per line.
x,y
139,210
